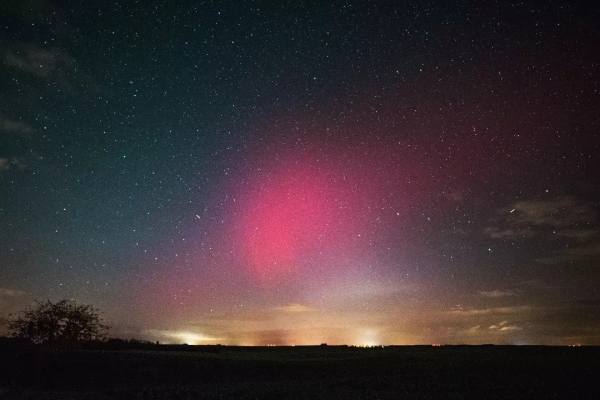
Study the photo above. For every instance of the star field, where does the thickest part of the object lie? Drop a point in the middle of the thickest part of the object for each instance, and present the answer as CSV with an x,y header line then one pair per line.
x,y
286,173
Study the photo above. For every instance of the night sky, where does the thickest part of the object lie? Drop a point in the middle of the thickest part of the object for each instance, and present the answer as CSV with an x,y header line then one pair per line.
x,y
259,173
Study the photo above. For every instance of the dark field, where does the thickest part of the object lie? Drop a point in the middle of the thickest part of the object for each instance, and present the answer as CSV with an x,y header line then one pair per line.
x,y
416,372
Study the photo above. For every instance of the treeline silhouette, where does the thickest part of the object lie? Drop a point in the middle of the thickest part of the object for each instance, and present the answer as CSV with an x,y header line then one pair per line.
x,y
12,343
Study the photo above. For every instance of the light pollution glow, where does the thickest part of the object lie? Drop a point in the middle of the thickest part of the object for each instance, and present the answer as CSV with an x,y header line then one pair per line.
x,y
312,250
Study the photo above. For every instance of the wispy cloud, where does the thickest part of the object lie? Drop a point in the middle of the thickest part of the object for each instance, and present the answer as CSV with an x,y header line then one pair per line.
x,y
557,213
581,235
499,233
455,196
510,328
13,127
504,326
294,308
11,292
535,284
554,322
48,63
474,330
528,218
563,222
582,254
12,163
497,293
461,311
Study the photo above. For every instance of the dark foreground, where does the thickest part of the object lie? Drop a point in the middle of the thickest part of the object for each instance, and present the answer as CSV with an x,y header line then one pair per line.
x,y
418,372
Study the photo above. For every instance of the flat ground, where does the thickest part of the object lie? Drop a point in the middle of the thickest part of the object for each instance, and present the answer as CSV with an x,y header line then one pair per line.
x,y
415,372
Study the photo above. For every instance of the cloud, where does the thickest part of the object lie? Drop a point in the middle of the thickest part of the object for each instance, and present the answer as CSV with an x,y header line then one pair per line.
x,y
497,293
536,284
557,213
511,328
529,218
565,322
581,235
503,326
497,233
564,220
12,163
467,312
4,292
474,330
294,308
19,128
582,254
553,322
473,333
455,196
49,63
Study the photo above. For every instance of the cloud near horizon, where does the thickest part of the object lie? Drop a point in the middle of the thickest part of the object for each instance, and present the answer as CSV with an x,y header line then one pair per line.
x,y
294,308
497,293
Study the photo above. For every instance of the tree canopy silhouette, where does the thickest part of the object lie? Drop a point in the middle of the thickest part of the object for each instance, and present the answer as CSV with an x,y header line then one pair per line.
x,y
61,322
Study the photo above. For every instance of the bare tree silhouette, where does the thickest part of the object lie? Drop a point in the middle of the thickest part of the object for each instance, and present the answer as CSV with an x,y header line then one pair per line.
x,y
61,322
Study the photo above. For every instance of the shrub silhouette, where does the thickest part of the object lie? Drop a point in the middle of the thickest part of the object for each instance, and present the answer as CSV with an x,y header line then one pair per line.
x,y
63,322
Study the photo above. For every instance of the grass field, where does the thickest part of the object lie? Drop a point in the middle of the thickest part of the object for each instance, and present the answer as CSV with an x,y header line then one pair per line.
x,y
415,372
